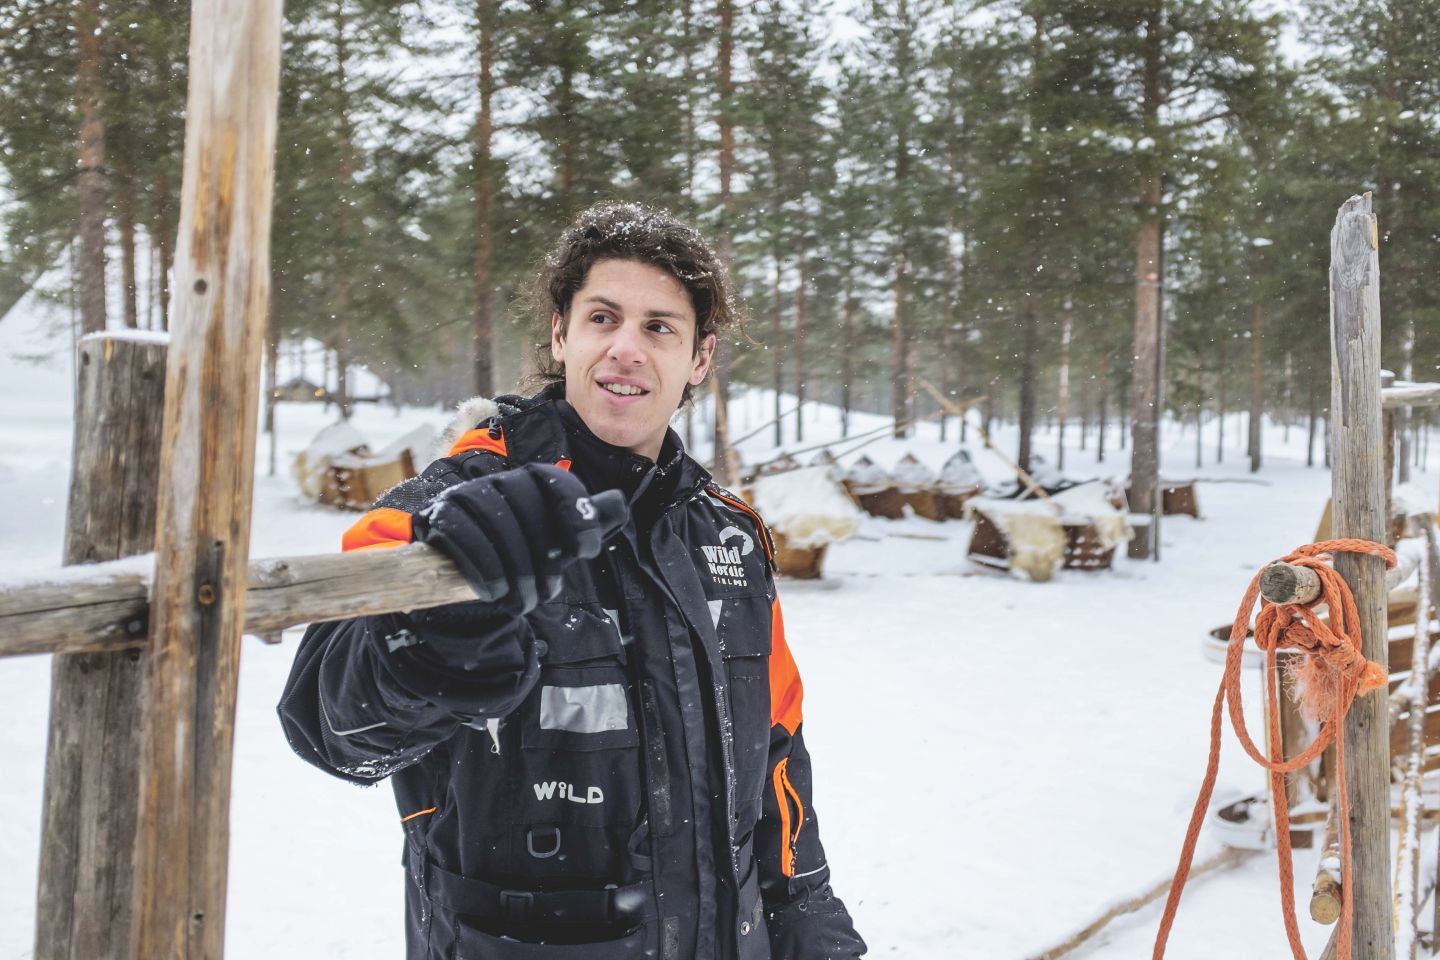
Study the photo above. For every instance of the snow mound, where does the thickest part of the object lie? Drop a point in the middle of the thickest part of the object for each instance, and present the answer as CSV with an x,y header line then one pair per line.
x,y
333,443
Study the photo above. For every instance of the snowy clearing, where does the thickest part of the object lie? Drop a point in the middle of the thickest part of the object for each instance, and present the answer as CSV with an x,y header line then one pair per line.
x,y
996,761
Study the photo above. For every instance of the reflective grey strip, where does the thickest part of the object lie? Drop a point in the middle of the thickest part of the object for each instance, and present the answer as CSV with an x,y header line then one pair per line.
x,y
596,709
344,733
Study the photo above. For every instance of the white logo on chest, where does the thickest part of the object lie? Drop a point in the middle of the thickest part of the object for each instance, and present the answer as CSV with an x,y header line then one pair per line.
x,y
725,564
551,789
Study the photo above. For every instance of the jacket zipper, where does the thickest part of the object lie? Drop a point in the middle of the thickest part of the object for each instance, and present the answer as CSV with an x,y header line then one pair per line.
x,y
785,792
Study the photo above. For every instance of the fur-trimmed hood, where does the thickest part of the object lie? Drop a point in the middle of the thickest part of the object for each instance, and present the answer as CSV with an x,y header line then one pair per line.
x,y
468,415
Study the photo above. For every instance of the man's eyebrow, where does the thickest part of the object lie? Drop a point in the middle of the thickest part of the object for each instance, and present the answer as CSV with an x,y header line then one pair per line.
x,y
595,298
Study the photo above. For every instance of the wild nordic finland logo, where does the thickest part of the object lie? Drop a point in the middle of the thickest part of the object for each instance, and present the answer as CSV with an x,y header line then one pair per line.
x,y
725,564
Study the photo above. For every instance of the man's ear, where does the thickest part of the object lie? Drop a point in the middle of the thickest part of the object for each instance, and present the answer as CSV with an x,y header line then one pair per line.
x,y
557,338
703,357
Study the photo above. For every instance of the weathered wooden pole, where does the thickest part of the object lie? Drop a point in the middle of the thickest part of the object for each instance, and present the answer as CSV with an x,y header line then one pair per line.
x,y
1358,490
207,473
87,831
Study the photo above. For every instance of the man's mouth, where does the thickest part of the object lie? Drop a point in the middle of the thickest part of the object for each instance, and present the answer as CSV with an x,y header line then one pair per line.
x,y
623,389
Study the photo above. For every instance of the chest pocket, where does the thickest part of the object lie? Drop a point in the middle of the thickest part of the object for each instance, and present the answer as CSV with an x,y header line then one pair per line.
x,y
743,627
578,761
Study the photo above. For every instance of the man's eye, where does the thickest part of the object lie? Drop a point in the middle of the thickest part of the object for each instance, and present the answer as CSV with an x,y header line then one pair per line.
x,y
658,327
600,318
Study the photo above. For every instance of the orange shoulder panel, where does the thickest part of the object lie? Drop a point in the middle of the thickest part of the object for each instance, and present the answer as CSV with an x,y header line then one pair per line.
x,y
381,527
478,439
786,691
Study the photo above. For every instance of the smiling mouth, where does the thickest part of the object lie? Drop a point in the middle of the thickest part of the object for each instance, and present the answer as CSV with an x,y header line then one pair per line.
x,y
623,389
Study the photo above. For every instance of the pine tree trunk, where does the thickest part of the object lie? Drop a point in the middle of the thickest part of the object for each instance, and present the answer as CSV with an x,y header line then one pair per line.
x,y
725,87
777,353
164,237
1403,415
1220,398
484,324
900,351
125,219
1313,402
1030,346
800,343
272,388
947,317
1062,404
90,181
1145,386
1257,382
847,346
340,284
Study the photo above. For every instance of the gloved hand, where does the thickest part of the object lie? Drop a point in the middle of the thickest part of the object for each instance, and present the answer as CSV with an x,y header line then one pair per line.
x,y
513,533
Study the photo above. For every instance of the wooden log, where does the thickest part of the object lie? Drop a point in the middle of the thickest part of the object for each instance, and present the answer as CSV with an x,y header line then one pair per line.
x,y
1288,583
109,610
1411,395
1326,893
222,274
83,907
1227,857
1358,490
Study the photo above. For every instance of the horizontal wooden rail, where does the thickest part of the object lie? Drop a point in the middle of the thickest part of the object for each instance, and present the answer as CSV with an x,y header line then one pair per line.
x,y
1410,395
105,606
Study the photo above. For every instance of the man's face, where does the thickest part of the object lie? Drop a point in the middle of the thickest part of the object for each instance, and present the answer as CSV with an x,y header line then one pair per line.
x,y
629,351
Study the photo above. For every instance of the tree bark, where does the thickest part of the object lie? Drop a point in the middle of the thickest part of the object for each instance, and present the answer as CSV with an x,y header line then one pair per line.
x,y
1144,456
800,341
125,219
90,181
1062,404
484,325
164,239
724,469
1257,382
777,352
847,343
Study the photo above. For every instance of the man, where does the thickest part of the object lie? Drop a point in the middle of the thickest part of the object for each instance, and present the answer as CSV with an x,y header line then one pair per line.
x,y
602,757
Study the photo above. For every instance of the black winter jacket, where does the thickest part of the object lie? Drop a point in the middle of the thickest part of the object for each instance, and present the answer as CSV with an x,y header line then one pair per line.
x,y
620,773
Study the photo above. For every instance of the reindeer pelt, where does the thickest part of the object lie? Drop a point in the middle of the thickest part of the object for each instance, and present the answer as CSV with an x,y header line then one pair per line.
x,y
468,416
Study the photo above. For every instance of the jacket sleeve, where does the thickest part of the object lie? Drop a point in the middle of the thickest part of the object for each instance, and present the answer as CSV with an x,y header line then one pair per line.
x,y
805,919
371,695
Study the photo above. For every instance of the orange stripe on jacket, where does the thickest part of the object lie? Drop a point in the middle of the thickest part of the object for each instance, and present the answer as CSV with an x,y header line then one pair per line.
x,y
786,691
381,527
744,507
478,439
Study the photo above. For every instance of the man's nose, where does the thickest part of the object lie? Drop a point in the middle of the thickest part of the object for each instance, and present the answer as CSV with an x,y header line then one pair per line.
x,y
627,345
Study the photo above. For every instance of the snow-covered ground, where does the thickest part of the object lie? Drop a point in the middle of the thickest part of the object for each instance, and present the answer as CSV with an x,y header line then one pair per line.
x,y
996,761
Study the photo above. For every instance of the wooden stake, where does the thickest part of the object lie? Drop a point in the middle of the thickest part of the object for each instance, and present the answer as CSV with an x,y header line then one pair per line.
x,y
1358,491
91,780
222,273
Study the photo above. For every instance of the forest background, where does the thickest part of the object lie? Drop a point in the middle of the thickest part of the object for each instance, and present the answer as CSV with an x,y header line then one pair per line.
x,y
1010,200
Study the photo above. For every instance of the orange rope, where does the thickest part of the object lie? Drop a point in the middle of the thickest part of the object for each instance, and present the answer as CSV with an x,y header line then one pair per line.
x,y
1335,650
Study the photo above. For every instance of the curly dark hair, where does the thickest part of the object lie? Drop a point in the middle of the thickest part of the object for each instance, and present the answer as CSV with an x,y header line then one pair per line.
x,y
631,231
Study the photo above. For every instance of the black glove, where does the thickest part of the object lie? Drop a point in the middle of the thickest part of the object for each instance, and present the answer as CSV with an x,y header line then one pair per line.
x,y
513,533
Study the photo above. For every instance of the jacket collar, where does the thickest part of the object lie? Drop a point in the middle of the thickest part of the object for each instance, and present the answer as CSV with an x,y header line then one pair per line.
x,y
544,428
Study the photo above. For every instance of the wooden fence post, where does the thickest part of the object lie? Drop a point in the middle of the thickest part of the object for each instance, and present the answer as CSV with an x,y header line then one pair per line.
x,y
91,780
1358,489
207,475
